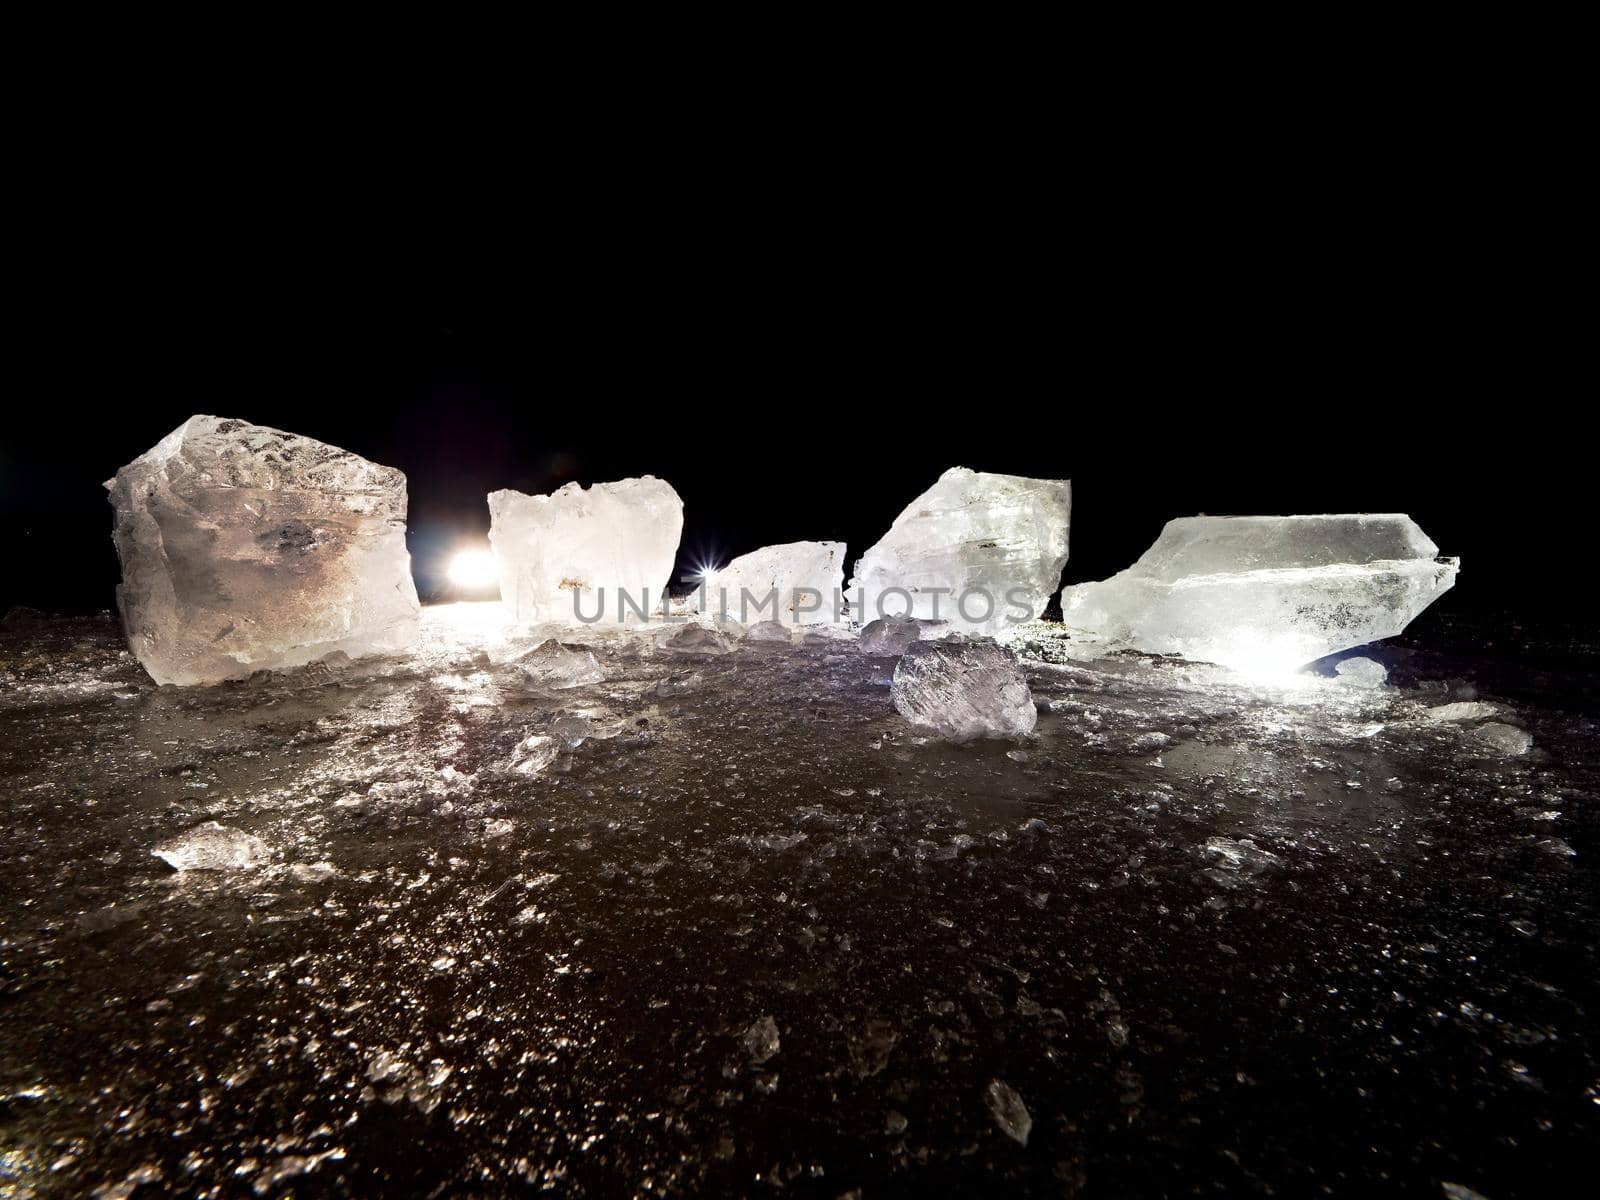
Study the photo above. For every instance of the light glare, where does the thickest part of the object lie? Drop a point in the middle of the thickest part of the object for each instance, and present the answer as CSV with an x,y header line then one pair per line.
x,y
474,569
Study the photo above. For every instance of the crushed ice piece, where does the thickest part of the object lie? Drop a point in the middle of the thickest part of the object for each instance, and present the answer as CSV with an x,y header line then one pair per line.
x,y
1008,1111
697,640
888,637
245,548
1502,738
316,872
553,664
1241,854
761,1040
793,584
130,1183
963,689
292,1166
978,550
680,685
1265,595
1462,710
602,554
1362,672
1460,1191
769,631
212,847
534,753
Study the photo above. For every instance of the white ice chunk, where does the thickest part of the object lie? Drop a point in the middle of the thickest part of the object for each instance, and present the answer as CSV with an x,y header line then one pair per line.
x,y
1502,738
1462,710
794,583
212,847
963,689
1265,594
246,548
769,631
579,553
980,551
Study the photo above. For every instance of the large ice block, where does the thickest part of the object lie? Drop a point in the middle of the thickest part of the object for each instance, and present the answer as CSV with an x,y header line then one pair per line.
x,y
980,551
1266,594
245,548
600,555
796,583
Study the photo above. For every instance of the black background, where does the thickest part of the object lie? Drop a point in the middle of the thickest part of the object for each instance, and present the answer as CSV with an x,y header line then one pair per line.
x,y
1309,321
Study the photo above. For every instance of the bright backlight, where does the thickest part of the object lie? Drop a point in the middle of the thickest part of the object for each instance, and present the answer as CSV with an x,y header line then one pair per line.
x,y
474,569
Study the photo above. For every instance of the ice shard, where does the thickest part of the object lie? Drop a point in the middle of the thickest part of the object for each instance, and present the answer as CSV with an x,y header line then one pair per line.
x,y
245,548
961,689
977,550
1266,594
601,554
795,583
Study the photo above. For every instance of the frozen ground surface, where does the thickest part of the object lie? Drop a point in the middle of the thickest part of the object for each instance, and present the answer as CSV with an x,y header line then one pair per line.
x,y
752,935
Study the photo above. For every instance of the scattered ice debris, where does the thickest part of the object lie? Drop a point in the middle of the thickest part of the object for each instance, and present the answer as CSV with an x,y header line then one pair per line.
x,y
1008,1111
125,1187
978,550
1265,595
1502,738
395,1078
1462,710
889,636
963,689
245,548
213,847
769,631
761,1040
602,554
792,584
1362,672
699,641
534,753
292,1166
554,665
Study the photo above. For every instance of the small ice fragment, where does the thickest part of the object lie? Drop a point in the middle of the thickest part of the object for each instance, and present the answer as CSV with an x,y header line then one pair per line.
x,y
1362,672
554,665
1460,1191
1502,738
1462,710
761,1040
534,753
769,631
1008,1111
317,872
888,637
212,847
963,689
1241,854
699,641
679,685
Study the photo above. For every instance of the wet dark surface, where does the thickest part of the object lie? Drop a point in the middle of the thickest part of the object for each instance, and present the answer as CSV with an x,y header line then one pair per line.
x,y
753,935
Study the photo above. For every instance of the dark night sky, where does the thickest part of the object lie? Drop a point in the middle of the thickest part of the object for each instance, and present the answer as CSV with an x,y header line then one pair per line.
x,y
1305,340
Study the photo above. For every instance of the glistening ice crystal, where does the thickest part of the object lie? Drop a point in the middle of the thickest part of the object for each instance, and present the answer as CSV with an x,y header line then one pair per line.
x,y
980,551
245,548
1266,594
602,554
960,689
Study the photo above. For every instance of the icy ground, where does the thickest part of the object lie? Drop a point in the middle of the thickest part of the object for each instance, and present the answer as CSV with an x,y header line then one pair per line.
x,y
724,924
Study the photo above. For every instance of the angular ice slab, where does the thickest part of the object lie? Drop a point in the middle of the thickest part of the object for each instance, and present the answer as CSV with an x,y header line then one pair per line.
x,y
246,548
980,551
600,555
794,583
1266,595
